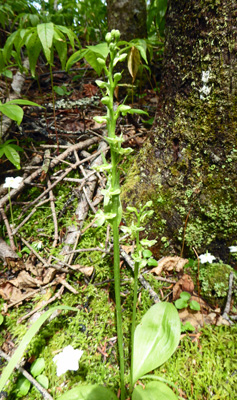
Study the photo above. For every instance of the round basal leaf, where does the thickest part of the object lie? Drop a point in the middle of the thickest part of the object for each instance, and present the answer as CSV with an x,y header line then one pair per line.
x,y
185,296
43,381
12,111
37,367
23,387
156,338
147,253
153,391
12,156
194,305
152,262
187,327
181,303
90,392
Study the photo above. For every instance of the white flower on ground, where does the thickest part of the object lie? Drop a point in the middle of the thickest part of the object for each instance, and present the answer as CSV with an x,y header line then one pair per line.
x,y
67,360
206,258
205,76
233,249
12,182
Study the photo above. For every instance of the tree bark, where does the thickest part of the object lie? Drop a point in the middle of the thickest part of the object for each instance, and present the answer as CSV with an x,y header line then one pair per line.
x,y
129,17
188,165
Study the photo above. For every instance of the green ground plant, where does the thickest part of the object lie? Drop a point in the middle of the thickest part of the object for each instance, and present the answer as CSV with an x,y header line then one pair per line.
x,y
155,339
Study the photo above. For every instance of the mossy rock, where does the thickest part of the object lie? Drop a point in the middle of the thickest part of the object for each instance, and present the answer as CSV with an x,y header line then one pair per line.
x,y
214,282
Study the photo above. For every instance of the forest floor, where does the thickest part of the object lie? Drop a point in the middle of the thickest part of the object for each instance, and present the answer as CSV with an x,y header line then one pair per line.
x,y
53,254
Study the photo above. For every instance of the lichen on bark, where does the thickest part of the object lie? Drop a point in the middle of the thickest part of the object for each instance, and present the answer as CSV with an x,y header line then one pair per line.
x,y
188,165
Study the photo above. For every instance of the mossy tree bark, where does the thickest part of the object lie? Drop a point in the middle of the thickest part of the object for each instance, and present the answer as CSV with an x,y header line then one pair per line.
x,y
129,17
188,165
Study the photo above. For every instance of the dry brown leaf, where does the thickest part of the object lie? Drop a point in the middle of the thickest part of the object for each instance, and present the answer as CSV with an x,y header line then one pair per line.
x,y
24,280
9,292
170,264
49,276
198,319
185,284
88,271
128,249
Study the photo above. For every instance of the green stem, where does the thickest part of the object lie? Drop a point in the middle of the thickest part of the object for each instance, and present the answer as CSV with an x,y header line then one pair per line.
x,y
10,204
54,113
134,309
117,295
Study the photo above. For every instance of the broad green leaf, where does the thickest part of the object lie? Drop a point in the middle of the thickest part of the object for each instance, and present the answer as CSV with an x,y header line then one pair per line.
x,y
12,156
185,295
147,253
12,111
91,58
152,262
194,305
71,35
34,47
23,102
155,339
15,359
37,367
46,32
9,44
181,303
22,387
102,49
59,90
153,391
90,392
141,45
75,58
1,319
43,380
61,46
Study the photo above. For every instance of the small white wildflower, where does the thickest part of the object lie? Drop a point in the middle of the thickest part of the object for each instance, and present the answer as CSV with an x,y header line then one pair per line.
x,y
206,90
12,182
39,245
205,76
206,258
67,360
233,249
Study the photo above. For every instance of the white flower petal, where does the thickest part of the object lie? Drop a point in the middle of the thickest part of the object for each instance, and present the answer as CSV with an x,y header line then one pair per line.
x,y
206,258
205,76
67,360
12,182
233,249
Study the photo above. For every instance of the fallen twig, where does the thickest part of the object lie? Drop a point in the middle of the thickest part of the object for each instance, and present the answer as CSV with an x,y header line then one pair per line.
x,y
41,307
144,283
30,378
228,302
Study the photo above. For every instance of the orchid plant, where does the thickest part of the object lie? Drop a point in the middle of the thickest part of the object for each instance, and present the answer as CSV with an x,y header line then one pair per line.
x,y
157,336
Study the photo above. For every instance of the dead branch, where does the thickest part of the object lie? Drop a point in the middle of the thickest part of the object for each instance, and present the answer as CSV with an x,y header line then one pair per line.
x,y
30,378
144,283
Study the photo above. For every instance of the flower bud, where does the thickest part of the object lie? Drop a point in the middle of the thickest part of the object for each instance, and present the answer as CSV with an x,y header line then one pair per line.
x,y
101,61
108,37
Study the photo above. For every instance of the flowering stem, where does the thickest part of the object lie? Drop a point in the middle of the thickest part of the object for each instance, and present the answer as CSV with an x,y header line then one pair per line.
x,y
134,310
117,297
10,204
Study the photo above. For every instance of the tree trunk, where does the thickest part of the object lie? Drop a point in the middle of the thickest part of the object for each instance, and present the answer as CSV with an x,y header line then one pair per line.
x,y
188,165
129,17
